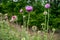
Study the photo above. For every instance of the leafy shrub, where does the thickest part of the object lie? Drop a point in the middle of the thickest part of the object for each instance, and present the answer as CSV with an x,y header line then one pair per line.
x,y
12,8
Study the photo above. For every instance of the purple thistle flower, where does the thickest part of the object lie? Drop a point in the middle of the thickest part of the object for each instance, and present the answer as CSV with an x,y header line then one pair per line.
x,y
29,8
47,5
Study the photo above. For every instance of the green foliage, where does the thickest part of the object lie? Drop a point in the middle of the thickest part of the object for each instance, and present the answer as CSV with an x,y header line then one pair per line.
x,y
37,17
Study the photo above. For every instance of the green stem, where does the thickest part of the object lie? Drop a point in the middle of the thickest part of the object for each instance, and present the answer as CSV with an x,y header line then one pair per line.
x,y
48,21
28,20
45,21
23,18
24,22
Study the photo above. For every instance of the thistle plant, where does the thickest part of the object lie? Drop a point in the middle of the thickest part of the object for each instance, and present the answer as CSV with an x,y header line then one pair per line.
x,y
52,34
24,22
34,28
28,9
46,24
24,33
45,14
42,24
47,6
14,19
47,17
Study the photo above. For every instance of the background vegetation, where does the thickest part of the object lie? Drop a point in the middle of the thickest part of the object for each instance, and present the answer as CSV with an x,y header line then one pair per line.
x,y
37,17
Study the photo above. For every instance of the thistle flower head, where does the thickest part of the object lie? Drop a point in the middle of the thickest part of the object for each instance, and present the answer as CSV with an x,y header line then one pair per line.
x,y
29,8
34,28
14,18
53,29
21,10
24,16
45,13
47,5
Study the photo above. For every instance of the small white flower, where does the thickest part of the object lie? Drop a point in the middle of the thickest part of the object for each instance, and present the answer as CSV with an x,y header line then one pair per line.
x,y
24,16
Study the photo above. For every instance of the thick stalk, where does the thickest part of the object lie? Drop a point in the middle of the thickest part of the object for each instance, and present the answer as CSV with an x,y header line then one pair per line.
x,y
28,20
24,23
48,21
45,21
23,20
